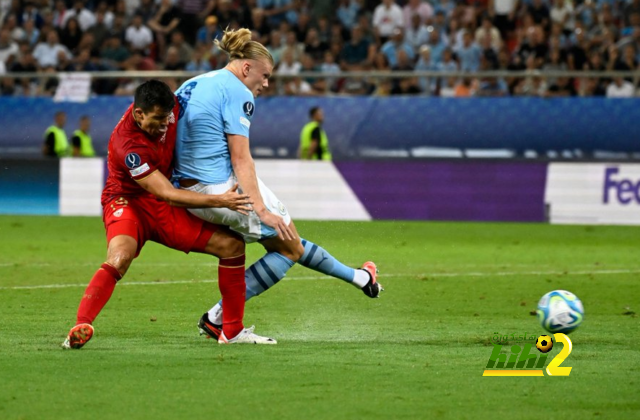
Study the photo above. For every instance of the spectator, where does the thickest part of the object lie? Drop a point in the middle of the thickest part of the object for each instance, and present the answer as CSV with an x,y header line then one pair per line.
x,y
166,20
85,17
209,32
31,33
138,36
185,51
146,9
278,11
275,46
288,66
403,62
417,33
114,54
99,31
554,63
448,90
82,62
329,66
493,87
81,142
11,23
292,44
562,13
487,29
314,47
356,51
396,43
226,15
533,85
348,12
259,23
172,60
562,87
387,17
427,86
464,88
193,13
302,27
503,13
592,86
198,62
48,53
71,34
55,139
539,13
59,14
421,8
8,48
620,88
30,12
469,54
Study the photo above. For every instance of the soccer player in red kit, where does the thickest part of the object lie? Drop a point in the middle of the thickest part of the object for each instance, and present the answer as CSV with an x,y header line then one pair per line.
x,y
140,204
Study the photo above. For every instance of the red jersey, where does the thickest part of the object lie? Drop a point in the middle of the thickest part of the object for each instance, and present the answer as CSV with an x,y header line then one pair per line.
x,y
134,155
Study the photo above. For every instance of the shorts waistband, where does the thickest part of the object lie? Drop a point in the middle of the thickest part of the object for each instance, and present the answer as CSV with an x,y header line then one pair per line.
x,y
186,183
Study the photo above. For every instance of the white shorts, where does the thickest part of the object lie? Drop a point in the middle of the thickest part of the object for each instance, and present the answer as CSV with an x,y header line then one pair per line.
x,y
250,227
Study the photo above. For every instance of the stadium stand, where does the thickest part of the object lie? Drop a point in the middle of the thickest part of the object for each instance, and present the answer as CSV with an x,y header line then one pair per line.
x,y
47,36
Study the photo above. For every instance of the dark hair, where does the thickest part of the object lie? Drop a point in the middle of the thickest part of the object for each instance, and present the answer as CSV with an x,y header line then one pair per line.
x,y
154,93
313,110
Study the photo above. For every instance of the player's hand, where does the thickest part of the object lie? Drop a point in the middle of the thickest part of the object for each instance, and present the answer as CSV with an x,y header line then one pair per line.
x,y
277,223
234,201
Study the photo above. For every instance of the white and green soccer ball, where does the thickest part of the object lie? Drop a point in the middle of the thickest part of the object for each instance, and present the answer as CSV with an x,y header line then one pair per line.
x,y
560,311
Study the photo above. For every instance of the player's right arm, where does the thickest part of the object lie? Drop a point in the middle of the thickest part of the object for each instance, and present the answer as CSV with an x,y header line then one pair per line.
x,y
158,185
245,170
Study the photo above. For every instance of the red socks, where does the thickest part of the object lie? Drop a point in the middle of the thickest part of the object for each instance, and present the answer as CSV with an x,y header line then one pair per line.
x,y
97,293
232,287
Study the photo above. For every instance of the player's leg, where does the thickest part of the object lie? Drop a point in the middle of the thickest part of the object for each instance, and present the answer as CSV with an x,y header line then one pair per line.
x,y
230,249
263,274
122,249
317,258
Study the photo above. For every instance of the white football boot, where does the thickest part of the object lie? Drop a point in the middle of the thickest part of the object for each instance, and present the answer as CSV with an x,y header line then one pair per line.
x,y
246,336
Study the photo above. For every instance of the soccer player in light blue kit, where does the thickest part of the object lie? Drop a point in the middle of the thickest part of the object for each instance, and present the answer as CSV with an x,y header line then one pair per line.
x,y
212,155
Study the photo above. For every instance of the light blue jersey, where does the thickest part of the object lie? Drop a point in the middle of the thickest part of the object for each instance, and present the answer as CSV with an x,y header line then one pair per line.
x,y
212,105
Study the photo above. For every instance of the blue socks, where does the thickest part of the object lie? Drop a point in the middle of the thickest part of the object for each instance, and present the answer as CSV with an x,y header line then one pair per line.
x,y
266,272
271,268
316,258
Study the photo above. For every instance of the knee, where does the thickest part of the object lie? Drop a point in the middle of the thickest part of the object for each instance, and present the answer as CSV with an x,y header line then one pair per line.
x,y
120,260
232,247
294,253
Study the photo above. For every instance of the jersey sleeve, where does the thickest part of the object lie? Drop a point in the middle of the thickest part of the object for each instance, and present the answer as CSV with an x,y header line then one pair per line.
x,y
138,161
237,111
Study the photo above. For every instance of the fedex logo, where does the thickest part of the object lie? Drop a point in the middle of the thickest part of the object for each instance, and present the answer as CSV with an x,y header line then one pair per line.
x,y
624,190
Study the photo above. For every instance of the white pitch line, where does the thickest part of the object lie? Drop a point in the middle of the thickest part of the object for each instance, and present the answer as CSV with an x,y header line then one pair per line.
x,y
298,278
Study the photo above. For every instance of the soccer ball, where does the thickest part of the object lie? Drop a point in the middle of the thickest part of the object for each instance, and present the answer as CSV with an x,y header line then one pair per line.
x,y
560,312
544,343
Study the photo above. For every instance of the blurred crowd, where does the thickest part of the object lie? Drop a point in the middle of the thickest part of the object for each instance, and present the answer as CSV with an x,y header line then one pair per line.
x,y
331,36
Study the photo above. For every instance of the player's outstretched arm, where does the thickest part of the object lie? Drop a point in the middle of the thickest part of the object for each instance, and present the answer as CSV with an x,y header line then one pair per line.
x,y
245,170
158,185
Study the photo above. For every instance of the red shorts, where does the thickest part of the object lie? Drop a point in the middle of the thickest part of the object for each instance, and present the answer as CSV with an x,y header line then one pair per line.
x,y
148,219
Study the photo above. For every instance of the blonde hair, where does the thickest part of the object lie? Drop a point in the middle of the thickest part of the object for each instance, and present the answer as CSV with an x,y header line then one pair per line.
x,y
238,45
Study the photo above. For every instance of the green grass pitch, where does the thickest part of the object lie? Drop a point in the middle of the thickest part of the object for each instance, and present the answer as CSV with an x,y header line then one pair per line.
x,y
416,353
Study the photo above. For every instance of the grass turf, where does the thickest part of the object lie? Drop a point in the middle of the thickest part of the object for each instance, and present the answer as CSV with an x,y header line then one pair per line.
x,y
418,352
